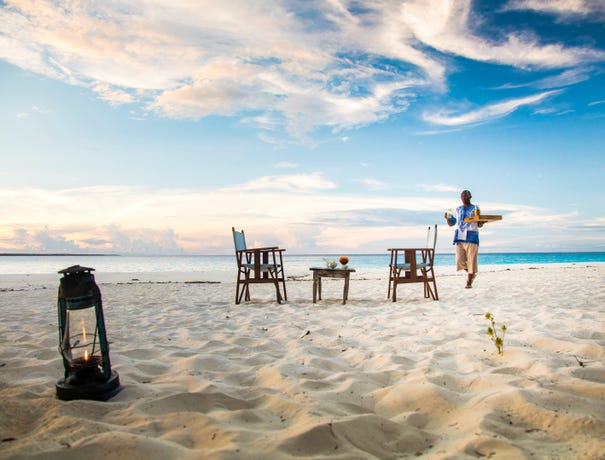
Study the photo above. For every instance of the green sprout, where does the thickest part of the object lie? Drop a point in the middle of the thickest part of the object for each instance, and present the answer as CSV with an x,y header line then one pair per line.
x,y
493,333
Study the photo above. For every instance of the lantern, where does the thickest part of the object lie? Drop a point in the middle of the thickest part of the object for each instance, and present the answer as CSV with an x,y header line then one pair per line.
x,y
82,339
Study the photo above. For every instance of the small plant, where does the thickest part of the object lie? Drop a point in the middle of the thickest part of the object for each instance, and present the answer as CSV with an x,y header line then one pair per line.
x,y
492,332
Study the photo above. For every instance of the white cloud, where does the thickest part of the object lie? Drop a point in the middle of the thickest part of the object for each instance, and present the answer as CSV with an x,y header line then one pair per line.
x,y
33,110
487,113
374,184
280,64
112,95
446,27
358,237
560,80
286,165
133,219
559,7
439,188
294,183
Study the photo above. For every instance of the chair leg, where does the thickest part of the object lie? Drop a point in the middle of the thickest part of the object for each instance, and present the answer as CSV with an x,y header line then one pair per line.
x,y
393,276
396,274
277,293
434,293
276,280
238,294
242,289
428,290
283,281
281,277
390,281
435,296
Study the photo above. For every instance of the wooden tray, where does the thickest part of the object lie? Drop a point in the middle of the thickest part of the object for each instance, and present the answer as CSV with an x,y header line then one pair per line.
x,y
483,218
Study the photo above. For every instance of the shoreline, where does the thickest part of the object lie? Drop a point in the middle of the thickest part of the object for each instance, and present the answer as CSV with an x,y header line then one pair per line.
x,y
8,280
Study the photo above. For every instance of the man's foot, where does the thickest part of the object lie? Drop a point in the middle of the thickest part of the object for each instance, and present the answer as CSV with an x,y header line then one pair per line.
x,y
470,279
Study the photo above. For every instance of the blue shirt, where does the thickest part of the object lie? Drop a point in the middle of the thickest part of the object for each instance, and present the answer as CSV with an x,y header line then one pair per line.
x,y
466,232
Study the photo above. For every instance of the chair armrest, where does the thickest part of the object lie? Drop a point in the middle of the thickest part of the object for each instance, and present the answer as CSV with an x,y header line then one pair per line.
x,y
257,251
264,249
407,249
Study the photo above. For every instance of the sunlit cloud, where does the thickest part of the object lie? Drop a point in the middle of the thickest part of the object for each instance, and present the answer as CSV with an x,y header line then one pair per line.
x,y
106,238
374,184
487,113
33,110
560,80
286,165
141,220
439,188
559,7
112,95
296,182
445,26
279,65
356,237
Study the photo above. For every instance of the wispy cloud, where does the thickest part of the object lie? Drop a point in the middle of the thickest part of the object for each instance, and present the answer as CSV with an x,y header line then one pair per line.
x,y
105,238
33,110
293,183
559,7
374,184
141,220
286,165
487,113
282,65
439,188
446,27
560,80
112,95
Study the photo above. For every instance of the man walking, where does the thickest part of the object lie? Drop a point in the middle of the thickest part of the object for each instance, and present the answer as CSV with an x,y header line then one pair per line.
x,y
466,236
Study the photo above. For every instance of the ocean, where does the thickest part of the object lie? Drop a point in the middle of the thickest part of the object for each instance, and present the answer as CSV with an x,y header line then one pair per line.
x,y
47,264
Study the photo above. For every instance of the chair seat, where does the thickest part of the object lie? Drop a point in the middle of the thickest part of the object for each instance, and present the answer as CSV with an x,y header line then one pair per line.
x,y
263,267
408,266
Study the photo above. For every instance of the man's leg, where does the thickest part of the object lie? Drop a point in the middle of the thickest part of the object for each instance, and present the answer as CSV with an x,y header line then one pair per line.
x,y
472,253
461,263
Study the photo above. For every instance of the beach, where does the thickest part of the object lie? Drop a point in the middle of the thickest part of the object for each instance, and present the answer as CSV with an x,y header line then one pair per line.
x,y
205,378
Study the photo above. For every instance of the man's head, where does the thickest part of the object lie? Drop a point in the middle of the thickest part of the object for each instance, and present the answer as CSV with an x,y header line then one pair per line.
x,y
466,196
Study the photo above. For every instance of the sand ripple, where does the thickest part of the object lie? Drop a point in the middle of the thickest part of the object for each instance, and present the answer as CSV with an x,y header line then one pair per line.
x,y
204,378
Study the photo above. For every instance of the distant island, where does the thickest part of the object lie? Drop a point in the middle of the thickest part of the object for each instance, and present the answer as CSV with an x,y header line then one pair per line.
x,y
21,254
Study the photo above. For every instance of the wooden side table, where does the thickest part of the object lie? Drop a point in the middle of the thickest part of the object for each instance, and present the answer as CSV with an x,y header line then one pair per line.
x,y
319,273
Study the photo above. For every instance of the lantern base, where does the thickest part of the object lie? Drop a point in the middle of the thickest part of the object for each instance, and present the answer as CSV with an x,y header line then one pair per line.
x,y
97,391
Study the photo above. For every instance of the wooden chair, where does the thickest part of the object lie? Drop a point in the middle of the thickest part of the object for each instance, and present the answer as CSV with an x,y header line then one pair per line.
x,y
257,265
414,265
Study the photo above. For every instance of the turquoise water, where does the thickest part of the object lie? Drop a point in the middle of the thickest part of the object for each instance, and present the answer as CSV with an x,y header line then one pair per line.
x,y
160,264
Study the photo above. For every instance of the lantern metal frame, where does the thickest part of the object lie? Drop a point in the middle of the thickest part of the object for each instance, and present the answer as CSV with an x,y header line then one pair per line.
x,y
90,376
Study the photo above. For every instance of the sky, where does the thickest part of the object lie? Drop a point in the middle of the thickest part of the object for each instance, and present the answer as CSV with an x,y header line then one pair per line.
x,y
334,126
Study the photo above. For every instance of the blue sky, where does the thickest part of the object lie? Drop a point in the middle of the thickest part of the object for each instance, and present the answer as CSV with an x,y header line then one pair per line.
x,y
321,126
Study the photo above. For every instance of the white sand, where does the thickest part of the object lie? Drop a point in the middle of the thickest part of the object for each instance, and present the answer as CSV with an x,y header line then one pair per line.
x,y
204,378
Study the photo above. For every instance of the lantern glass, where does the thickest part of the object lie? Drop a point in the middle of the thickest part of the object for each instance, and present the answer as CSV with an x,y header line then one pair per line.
x,y
80,344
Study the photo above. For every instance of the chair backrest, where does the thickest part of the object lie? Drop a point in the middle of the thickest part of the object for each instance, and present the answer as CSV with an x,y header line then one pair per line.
x,y
239,240
431,237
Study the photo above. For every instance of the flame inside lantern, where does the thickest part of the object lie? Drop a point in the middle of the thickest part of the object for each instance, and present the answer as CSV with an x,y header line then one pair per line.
x,y
84,340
